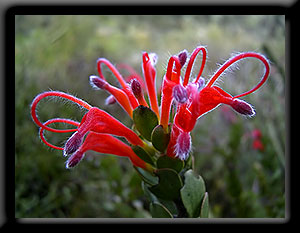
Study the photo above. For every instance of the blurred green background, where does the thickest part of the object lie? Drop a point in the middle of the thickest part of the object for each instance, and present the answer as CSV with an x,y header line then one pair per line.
x,y
60,53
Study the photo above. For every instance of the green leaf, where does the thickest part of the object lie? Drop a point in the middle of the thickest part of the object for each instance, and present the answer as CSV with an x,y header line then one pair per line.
x,y
204,207
142,154
169,184
157,210
169,162
192,193
160,139
146,176
170,205
145,120
148,194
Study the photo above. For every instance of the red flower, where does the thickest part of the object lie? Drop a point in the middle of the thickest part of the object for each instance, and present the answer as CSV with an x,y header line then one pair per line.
x,y
192,100
98,125
202,98
107,144
257,143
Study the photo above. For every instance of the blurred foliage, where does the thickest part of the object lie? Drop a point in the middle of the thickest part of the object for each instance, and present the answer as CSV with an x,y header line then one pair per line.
x,y
60,52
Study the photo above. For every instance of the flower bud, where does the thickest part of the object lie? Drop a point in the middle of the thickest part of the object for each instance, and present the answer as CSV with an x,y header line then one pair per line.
x,y
136,88
242,107
97,82
180,94
74,159
72,144
182,57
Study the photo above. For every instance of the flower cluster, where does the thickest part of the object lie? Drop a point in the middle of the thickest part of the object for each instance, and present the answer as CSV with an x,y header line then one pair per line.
x,y
157,131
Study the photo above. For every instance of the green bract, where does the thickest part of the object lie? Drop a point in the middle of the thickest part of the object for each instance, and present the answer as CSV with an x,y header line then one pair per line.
x,y
160,139
145,120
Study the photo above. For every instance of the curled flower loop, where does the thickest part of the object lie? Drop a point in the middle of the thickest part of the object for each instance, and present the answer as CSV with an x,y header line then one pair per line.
x,y
191,62
57,120
59,94
240,57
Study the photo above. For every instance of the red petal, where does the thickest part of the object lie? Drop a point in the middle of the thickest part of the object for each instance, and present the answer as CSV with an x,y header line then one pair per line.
x,y
171,79
107,144
99,121
149,74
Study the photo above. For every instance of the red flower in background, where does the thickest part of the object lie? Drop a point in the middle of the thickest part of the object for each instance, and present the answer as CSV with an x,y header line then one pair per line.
x,y
192,98
257,143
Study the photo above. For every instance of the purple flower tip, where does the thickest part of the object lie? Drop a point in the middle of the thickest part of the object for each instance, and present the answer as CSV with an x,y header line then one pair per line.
x,y
72,144
74,159
182,57
136,88
201,83
180,94
183,145
97,82
243,107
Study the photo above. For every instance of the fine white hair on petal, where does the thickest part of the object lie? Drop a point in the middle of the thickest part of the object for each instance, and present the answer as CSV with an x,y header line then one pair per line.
x,y
230,69
165,61
153,58
183,144
62,100
92,83
72,162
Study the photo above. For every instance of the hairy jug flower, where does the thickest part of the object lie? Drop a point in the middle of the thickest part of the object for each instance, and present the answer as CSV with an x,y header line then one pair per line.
x,y
204,98
157,132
